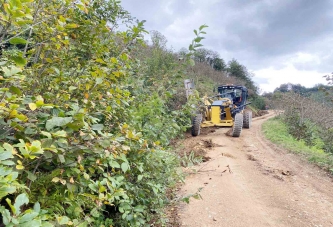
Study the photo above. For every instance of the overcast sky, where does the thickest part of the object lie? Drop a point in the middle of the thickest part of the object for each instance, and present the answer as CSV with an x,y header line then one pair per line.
x,y
280,41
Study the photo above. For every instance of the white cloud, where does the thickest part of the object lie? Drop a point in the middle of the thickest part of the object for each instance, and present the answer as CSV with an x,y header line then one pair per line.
x,y
180,32
289,74
272,77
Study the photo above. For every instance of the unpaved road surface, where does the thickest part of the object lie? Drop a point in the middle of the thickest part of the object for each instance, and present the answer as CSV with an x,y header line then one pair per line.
x,y
267,186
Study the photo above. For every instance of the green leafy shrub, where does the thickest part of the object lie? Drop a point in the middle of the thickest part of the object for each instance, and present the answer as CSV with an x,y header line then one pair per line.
x,y
307,120
81,143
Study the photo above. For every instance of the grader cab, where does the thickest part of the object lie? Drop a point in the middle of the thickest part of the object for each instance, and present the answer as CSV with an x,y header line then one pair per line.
x,y
226,109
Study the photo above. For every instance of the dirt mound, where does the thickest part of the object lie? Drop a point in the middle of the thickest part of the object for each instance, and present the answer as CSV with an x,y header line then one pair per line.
x,y
262,112
195,148
259,113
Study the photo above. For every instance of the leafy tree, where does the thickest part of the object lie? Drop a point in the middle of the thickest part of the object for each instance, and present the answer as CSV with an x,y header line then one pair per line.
x,y
210,57
219,64
158,39
237,70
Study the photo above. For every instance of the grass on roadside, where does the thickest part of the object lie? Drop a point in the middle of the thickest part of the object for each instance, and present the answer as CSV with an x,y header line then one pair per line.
x,y
277,132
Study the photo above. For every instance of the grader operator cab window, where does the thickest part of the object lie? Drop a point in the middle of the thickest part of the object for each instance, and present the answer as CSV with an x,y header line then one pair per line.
x,y
234,94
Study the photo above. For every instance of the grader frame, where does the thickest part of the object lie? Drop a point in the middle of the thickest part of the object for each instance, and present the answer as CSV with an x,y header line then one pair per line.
x,y
226,109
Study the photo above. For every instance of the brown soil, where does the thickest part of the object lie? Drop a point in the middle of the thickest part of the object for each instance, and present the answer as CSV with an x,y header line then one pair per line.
x,y
250,182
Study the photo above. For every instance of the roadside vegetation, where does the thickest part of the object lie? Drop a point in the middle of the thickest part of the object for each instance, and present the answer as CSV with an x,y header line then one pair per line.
x,y
306,125
276,131
87,113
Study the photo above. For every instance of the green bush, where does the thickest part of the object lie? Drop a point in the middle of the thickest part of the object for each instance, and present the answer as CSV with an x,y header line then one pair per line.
x,y
276,130
84,132
258,102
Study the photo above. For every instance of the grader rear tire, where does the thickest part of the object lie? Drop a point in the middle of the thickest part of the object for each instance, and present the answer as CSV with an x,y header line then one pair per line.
x,y
196,122
247,119
238,125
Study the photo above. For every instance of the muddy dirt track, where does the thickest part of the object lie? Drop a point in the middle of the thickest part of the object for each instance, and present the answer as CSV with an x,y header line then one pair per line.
x,y
263,186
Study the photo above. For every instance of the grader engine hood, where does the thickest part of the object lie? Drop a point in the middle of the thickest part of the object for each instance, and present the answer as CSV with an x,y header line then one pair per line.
x,y
222,102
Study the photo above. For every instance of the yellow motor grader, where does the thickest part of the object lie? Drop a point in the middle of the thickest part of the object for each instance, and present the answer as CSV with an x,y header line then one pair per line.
x,y
226,109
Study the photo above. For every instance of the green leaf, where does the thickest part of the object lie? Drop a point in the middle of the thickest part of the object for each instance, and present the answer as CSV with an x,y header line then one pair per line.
x,y
24,22
47,224
198,45
31,176
19,201
124,166
10,71
19,167
192,62
71,25
63,220
71,88
61,158
30,131
61,133
57,121
37,207
202,27
56,179
114,164
36,147
18,13
97,127
20,61
34,223
32,106
6,217
94,212
139,208
6,189
186,200
15,90
198,39
47,134
28,217
4,171
99,60
4,155
7,163
99,80
17,40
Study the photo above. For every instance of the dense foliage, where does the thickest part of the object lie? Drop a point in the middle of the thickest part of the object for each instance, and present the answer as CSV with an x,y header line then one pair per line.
x,y
84,123
277,131
307,119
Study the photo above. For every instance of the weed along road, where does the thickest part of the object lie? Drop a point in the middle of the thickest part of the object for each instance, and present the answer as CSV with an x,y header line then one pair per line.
x,y
250,182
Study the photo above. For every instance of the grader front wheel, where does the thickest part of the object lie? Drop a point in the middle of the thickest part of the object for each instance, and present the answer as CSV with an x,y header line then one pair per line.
x,y
238,125
196,122
247,119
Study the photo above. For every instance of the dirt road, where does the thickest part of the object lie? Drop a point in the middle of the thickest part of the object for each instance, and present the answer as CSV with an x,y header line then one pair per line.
x,y
266,186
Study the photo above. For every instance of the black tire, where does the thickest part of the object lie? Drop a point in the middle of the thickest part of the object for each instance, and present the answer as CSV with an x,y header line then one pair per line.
x,y
238,125
247,119
196,122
